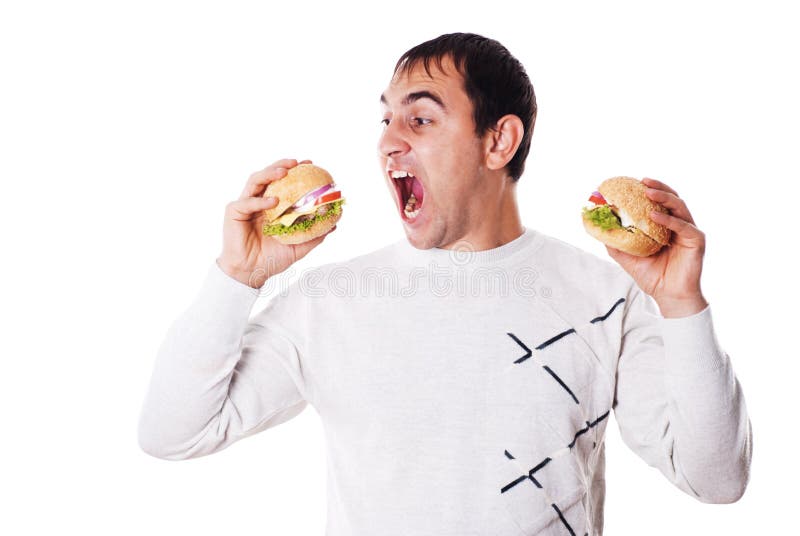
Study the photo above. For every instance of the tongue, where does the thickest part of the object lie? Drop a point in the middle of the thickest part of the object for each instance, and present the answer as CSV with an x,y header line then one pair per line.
x,y
416,188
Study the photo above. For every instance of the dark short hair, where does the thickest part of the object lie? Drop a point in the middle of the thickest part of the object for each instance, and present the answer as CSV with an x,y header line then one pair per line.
x,y
494,80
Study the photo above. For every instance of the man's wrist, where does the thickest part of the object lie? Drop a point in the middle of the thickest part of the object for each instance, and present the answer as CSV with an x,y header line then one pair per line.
x,y
681,307
252,278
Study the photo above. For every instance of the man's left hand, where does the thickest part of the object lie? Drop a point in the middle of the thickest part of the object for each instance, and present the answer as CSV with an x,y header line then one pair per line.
x,y
671,276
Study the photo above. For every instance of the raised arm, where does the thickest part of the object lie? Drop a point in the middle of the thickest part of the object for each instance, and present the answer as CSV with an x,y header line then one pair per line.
x,y
217,376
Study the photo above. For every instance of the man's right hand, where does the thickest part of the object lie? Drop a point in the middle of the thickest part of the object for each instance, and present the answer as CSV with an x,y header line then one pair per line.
x,y
247,255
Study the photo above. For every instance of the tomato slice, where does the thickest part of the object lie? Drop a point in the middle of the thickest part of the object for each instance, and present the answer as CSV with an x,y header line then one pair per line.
x,y
328,197
597,199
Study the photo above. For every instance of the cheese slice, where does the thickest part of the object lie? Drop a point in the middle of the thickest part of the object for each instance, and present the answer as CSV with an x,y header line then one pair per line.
x,y
626,220
288,218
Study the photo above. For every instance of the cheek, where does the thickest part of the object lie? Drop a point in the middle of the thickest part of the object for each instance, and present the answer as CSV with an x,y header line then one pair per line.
x,y
444,151
450,159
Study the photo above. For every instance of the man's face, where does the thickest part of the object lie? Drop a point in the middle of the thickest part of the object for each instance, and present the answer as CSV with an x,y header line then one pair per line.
x,y
429,133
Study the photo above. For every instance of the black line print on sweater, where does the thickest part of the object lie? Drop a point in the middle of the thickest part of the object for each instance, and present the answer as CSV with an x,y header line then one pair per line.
x,y
589,424
561,383
540,465
601,318
564,520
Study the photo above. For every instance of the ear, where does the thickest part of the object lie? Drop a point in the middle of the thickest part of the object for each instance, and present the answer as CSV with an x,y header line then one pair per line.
x,y
501,142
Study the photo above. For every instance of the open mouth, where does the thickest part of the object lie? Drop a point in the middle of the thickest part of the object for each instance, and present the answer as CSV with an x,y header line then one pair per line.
x,y
410,193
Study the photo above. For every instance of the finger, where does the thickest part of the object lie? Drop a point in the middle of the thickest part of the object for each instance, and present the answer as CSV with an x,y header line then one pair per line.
x,y
652,183
612,252
258,181
620,256
675,204
245,209
679,226
306,162
284,162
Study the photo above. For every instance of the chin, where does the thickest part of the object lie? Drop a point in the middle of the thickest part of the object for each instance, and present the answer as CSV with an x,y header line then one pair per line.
x,y
424,238
416,240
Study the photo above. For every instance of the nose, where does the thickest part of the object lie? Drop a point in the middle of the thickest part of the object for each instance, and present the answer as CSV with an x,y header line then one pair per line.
x,y
392,141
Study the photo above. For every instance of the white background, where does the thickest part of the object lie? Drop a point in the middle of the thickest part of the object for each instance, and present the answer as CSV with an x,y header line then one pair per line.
x,y
125,128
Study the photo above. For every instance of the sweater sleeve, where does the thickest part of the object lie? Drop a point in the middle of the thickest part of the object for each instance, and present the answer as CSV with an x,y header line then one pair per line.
x,y
219,377
678,403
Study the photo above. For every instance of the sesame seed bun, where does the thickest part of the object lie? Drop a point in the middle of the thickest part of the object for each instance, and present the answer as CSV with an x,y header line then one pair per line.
x,y
628,194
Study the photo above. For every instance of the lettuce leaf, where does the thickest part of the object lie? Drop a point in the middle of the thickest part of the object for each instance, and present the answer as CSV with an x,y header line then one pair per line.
x,y
603,217
278,229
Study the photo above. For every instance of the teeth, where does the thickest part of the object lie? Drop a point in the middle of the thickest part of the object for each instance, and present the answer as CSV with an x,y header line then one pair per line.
x,y
400,174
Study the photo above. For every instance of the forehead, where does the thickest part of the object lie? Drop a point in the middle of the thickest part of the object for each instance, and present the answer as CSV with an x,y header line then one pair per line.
x,y
444,81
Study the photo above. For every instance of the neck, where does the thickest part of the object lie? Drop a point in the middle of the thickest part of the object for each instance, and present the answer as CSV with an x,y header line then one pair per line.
x,y
501,221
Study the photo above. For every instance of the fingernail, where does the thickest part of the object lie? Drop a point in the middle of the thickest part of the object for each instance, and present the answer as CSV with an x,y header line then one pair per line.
x,y
270,199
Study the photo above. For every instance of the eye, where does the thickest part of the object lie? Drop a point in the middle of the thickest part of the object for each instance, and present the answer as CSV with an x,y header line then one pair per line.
x,y
420,121
385,122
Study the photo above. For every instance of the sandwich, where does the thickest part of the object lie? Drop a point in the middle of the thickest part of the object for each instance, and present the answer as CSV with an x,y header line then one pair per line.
x,y
620,217
309,205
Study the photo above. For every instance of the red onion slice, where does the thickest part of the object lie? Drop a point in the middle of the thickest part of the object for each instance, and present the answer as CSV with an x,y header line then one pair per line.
x,y
312,195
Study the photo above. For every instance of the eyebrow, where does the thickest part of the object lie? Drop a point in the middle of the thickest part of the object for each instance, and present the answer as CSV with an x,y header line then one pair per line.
x,y
417,95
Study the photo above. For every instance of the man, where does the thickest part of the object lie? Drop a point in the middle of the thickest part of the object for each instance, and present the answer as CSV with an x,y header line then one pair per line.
x,y
450,408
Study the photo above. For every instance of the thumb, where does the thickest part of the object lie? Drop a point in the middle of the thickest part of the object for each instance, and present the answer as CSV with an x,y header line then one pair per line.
x,y
612,252
245,209
620,256
628,262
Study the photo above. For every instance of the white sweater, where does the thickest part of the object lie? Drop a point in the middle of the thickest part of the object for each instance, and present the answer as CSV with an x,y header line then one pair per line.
x,y
466,393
